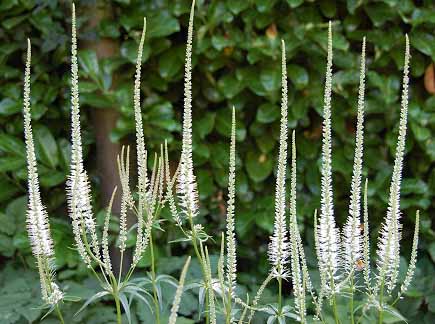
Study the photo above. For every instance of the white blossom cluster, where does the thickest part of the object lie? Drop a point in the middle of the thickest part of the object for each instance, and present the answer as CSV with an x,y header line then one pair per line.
x,y
38,226
187,186
279,246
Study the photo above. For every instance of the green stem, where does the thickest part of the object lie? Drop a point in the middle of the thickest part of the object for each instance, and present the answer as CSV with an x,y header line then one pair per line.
x,y
334,301
153,278
334,305
59,314
201,261
280,296
120,268
118,308
229,306
381,301
352,320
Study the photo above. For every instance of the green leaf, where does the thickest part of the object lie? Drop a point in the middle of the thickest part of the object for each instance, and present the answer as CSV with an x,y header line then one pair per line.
x,y
129,51
9,107
89,63
268,113
229,86
219,42
298,75
421,133
162,24
91,300
170,64
97,100
10,144
203,126
379,13
46,147
108,28
424,42
431,251
258,165
329,8
13,21
7,190
295,3
8,225
270,78
11,163
125,306
52,179
265,143
237,6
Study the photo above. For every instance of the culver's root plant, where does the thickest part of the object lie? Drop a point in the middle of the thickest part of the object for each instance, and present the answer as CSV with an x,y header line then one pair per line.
x,y
368,284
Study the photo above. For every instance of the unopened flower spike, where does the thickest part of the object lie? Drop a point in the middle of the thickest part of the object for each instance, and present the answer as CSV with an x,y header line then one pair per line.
x,y
299,273
231,237
178,293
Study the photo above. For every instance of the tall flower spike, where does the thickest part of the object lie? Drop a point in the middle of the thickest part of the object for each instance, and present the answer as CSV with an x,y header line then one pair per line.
x,y
187,187
231,237
297,255
352,238
126,197
211,296
105,239
413,260
169,184
38,227
143,181
37,219
279,246
366,243
389,240
327,233
178,293
78,188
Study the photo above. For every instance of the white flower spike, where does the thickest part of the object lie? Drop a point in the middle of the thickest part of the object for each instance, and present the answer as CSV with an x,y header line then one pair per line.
x,y
279,246
187,187
390,234
77,187
328,235
352,238
38,226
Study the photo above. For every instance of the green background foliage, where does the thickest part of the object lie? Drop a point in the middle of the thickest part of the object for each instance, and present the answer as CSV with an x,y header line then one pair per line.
x,y
236,62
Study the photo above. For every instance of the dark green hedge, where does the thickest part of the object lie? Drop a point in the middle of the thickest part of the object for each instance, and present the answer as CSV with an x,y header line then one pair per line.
x,y
236,62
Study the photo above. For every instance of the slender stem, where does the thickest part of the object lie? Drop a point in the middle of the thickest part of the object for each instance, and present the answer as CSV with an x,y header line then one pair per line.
x,y
381,301
208,284
118,308
334,302
352,320
396,300
120,268
153,278
59,314
229,305
334,305
280,296
201,261
97,260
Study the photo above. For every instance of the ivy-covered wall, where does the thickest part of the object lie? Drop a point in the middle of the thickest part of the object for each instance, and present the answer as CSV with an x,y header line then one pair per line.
x,y
236,62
